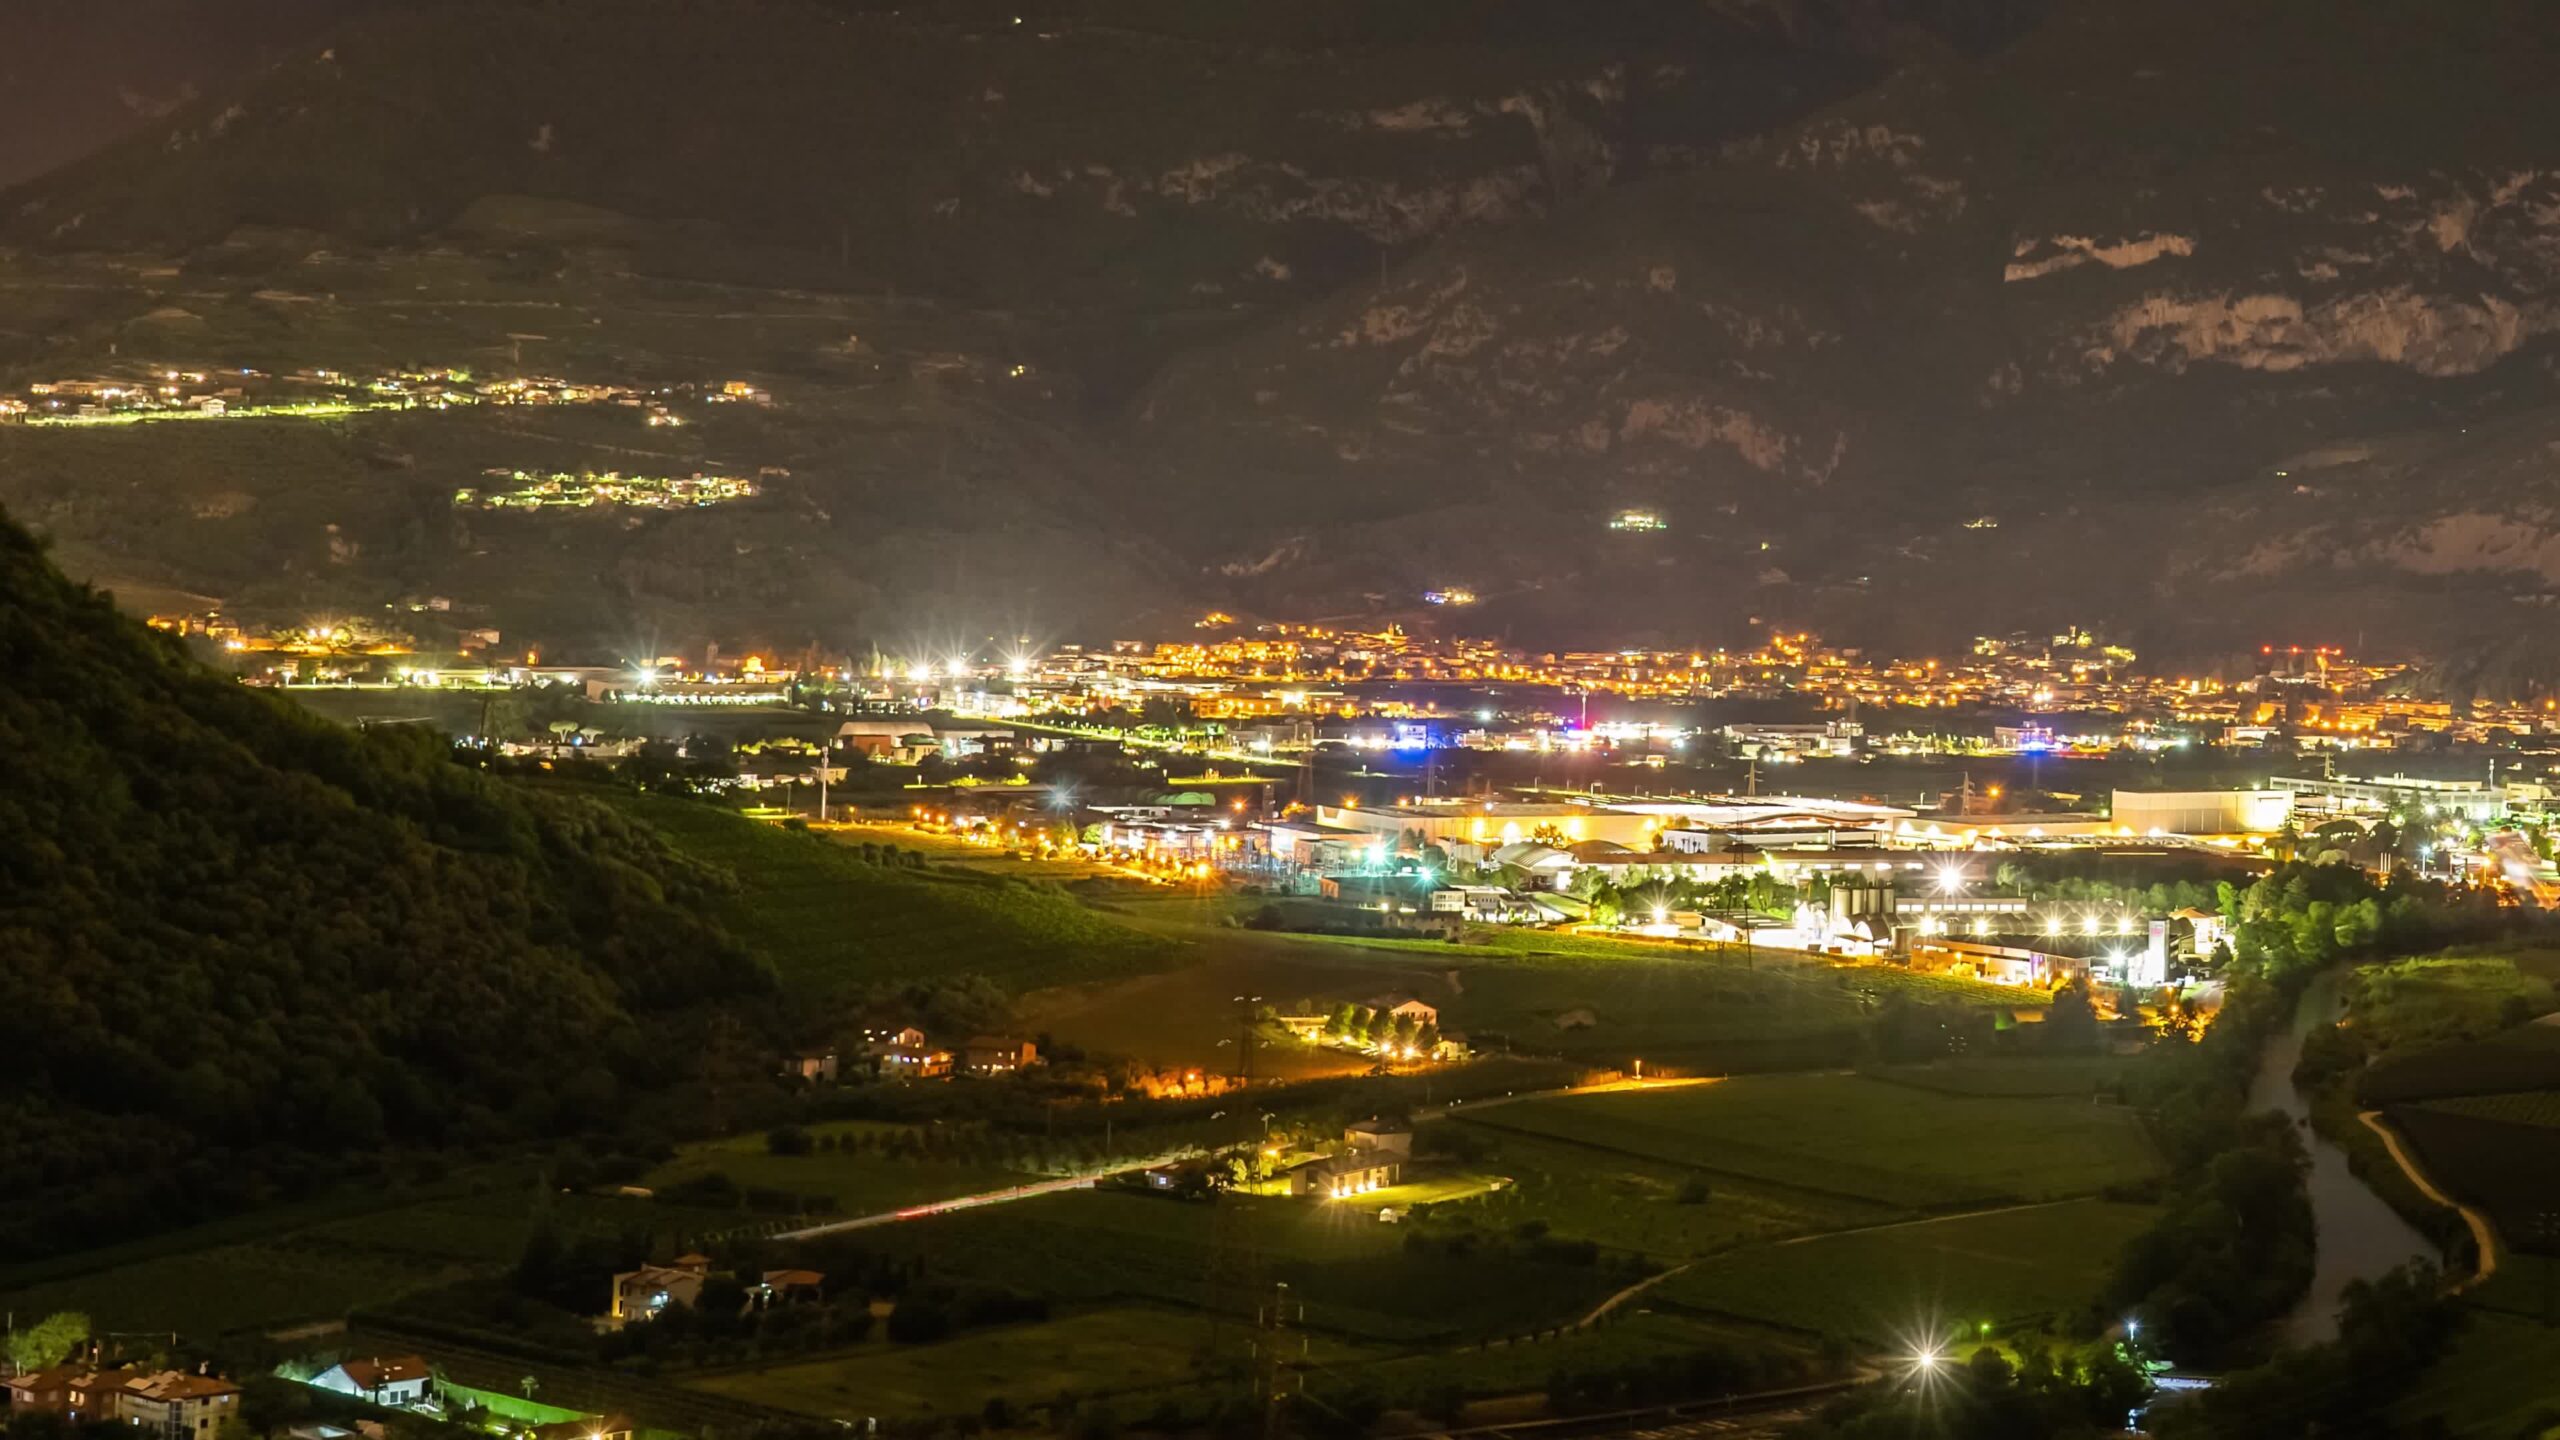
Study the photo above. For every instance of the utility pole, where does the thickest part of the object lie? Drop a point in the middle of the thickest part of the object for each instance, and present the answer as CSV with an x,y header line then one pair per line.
x,y
822,782
1274,1377
2546,1225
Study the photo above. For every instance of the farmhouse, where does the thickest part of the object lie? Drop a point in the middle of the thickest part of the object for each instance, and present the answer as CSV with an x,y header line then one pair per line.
x,y
816,1065
640,1294
1340,1177
383,1380
1380,1137
1398,1007
172,1402
997,1055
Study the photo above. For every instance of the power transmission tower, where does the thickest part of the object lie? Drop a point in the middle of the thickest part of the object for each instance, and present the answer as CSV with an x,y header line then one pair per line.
x,y
1235,1253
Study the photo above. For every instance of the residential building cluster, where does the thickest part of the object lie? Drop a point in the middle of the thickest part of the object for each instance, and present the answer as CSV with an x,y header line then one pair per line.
x,y
136,393
560,490
171,1404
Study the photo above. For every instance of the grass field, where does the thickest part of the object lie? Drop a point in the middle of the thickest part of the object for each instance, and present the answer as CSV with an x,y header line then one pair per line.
x,y
1930,1279
1594,1001
2499,1375
1352,1273
2523,1107
1856,1137
1631,1204
320,1270
1092,1352
2067,1076
1513,1369
829,922
2427,1001
860,1183
2509,1169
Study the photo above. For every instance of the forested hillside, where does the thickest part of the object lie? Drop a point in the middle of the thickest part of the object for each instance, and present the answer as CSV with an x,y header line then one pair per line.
x,y
250,945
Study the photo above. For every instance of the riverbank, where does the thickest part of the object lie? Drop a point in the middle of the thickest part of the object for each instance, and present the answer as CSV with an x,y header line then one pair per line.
x,y
2359,1235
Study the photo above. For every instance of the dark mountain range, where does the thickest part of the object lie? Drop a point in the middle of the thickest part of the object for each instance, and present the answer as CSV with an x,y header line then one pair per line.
x,y
75,77
257,948
1911,319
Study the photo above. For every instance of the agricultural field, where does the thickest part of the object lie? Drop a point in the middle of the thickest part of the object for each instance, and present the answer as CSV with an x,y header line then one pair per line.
x,y
1353,1274
832,924
2523,1107
1645,1206
958,854
2495,1381
2060,1076
1593,1001
1526,1366
1928,1279
859,1181
1855,1137
2427,1001
2508,1168
1106,1351
319,1270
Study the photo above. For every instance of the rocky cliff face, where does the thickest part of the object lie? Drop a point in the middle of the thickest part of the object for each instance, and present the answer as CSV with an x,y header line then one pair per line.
x,y
2116,272
1941,314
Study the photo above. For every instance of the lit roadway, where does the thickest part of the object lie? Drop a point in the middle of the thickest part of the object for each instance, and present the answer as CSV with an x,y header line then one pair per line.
x,y
971,1202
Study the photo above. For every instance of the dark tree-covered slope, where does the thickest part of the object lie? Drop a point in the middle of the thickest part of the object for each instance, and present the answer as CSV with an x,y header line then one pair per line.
x,y
238,944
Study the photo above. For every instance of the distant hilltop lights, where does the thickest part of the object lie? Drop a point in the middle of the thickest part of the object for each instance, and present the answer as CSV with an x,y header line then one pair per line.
x,y
1638,520
526,491
138,394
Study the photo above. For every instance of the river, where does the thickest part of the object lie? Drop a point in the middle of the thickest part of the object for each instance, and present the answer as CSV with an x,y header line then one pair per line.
x,y
2360,1237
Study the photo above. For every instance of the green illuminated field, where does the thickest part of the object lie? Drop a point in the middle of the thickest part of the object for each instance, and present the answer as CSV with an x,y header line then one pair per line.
x,y
1860,1138
860,1183
1632,1204
1935,1277
1354,1275
1094,1352
829,922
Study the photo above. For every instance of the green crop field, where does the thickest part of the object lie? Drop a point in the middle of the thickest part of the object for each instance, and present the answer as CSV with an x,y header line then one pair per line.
x,y
1519,1368
1911,1282
829,922
2432,1000
1594,1001
1089,1353
2063,1076
1632,1204
2499,1375
860,1183
1852,1136
321,1269
2523,1107
1352,1273
2507,1168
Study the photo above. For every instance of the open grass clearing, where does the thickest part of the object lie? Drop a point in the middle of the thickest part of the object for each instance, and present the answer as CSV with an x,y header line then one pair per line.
x,y
1597,1002
1851,1136
1647,1206
2061,1076
2499,1375
1527,1365
861,1182
1352,1273
1105,1351
1931,1279
2427,1001
829,922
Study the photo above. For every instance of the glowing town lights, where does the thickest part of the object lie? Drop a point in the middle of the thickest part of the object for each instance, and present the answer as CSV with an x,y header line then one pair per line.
x,y
1950,879
1017,667
2089,926
2053,924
